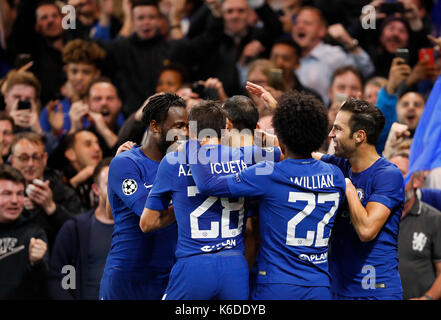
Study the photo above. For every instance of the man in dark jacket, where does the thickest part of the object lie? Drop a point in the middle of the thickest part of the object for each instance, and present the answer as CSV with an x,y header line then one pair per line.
x,y
49,201
137,60
23,245
83,242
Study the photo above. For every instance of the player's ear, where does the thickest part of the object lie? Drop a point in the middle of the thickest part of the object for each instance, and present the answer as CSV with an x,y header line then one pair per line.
x,y
360,136
229,124
155,126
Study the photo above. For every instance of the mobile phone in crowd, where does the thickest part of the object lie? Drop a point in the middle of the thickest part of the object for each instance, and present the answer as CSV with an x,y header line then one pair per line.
x,y
403,53
427,54
24,105
276,79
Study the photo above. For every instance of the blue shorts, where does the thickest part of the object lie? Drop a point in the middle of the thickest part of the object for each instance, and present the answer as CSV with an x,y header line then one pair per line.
x,y
398,296
284,291
117,284
212,276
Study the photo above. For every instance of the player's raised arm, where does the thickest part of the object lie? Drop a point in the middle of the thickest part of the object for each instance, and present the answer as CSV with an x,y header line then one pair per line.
x,y
153,219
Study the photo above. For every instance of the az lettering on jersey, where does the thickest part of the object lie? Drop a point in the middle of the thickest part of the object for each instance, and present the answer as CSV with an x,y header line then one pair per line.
x,y
184,171
234,166
314,182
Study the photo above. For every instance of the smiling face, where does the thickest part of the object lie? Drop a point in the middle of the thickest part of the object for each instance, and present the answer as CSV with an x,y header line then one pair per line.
x,y
145,21
409,109
394,36
11,200
85,151
342,139
174,128
29,158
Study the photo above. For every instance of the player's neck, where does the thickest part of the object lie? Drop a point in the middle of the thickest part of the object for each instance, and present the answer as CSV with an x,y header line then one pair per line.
x,y
363,158
237,140
208,141
151,149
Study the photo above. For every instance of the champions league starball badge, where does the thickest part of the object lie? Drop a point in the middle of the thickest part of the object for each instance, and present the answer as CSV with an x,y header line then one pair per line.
x,y
129,186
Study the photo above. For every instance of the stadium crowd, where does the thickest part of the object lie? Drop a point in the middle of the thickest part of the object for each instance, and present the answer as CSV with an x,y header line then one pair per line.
x,y
91,91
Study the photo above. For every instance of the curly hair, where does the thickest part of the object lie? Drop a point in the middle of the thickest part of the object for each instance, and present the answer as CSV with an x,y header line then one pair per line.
x,y
300,122
156,107
82,51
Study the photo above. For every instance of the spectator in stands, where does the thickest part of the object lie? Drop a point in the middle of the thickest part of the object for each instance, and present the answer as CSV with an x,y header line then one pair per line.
x,y
319,60
49,201
84,242
38,31
232,42
81,59
371,89
24,257
83,152
6,136
101,107
419,247
22,100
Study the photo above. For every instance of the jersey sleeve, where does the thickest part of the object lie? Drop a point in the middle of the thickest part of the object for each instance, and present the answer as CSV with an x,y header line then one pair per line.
x,y
250,182
342,163
388,188
124,181
160,195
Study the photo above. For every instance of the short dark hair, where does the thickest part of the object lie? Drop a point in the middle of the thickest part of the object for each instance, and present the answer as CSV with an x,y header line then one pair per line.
x,y
9,173
301,122
136,3
4,116
365,116
344,69
209,114
156,107
242,112
289,42
177,68
70,139
99,167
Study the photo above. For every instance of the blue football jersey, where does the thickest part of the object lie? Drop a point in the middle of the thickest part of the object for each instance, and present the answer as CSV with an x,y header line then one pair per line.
x,y
368,269
131,176
298,202
207,224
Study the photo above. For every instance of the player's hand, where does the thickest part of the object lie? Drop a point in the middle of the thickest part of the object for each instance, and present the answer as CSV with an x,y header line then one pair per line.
x,y
350,188
262,94
37,249
125,147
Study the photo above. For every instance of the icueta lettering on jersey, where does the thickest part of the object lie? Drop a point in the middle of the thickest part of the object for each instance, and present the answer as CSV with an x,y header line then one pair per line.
x,y
229,167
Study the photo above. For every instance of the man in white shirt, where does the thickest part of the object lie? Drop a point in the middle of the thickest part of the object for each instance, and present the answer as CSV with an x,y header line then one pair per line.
x,y
319,60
